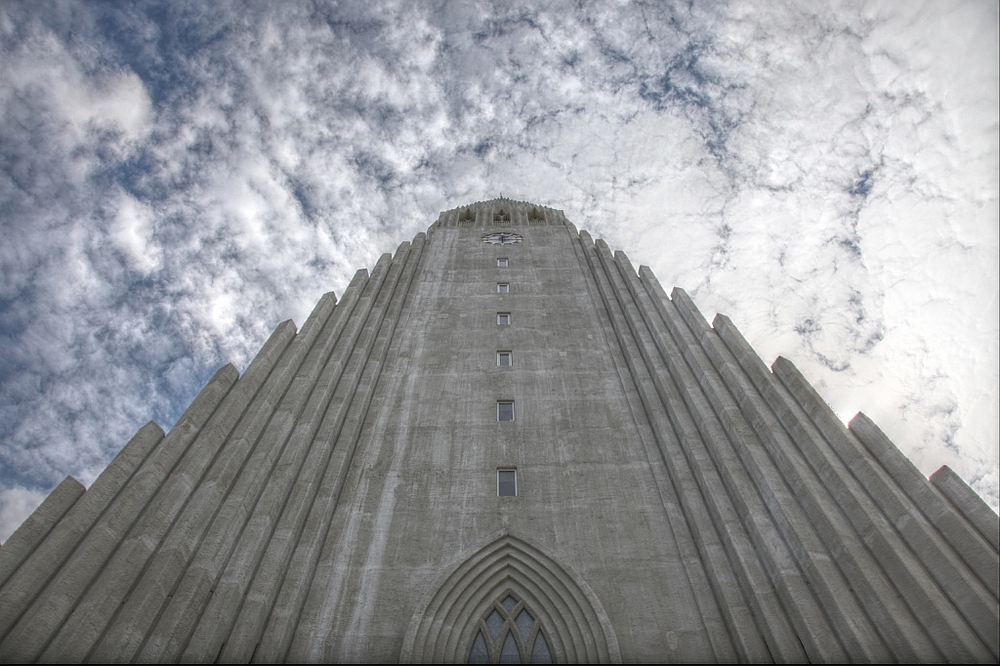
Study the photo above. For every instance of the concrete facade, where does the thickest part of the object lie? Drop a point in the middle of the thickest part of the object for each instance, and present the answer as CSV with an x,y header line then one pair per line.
x,y
676,499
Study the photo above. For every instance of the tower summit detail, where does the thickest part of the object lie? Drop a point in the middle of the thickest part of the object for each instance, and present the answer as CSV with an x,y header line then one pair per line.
x,y
506,443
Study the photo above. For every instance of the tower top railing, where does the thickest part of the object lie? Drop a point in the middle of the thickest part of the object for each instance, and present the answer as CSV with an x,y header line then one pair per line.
x,y
500,212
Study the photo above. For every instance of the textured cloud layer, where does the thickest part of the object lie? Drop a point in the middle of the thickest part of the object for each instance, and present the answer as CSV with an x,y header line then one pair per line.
x,y
176,179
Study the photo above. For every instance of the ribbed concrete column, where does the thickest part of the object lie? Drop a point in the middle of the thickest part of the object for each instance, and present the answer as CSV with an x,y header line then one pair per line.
x,y
725,443
768,612
64,535
230,587
267,376
364,367
968,504
782,477
660,399
974,550
34,628
38,525
106,597
274,460
799,478
145,601
310,457
732,633
346,366
970,594
303,558
244,484
374,448
837,506
370,360
726,616
942,622
666,400
239,635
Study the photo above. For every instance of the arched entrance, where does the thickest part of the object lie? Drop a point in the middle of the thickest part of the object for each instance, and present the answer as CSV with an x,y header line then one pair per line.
x,y
499,601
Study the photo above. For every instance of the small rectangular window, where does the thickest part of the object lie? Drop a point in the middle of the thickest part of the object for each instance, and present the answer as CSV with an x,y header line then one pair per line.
x,y
507,482
505,410
503,319
502,262
503,287
505,359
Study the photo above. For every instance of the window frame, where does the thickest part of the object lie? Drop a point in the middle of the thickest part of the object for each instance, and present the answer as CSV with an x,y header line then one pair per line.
x,y
512,470
503,314
510,358
513,414
503,287
503,262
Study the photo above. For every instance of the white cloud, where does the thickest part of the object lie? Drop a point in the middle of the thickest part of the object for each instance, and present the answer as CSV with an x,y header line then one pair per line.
x,y
132,232
17,503
824,174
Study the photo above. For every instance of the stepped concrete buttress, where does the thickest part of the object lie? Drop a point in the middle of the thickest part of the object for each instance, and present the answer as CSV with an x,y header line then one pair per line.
x,y
506,441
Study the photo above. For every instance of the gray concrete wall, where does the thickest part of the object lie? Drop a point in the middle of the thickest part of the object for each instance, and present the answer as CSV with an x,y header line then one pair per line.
x,y
677,499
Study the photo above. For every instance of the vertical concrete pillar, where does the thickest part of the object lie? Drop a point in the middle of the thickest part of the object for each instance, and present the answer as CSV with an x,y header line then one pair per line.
x,y
744,638
243,481
971,594
797,597
975,551
726,614
367,361
27,639
26,538
80,516
347,364
690,452
838,507
256,601
968,504
928,602
236,610
179,546
106,597
785,482
270,372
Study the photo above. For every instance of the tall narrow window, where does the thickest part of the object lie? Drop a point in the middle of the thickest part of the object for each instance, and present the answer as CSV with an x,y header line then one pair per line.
x,y
507,483
503,287
503,262
505,359
505,410
503,319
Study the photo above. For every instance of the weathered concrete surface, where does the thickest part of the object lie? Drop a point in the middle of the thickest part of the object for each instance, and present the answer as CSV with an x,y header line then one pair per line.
x,y
26,538
968,504
677,500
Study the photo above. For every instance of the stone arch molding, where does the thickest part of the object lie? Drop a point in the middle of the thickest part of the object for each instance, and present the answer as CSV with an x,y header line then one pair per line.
x,y
571,614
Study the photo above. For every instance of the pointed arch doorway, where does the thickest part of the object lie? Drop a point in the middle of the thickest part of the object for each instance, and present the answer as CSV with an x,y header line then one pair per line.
x,y
511,602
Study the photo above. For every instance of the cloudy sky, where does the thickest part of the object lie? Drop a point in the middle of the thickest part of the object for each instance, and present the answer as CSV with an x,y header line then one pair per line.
x,y
176,178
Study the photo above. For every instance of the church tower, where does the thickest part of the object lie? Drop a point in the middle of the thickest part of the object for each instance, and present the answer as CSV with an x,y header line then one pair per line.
x,y
505,443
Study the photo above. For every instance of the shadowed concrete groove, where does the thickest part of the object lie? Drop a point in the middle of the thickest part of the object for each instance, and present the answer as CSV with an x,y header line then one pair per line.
x,y
655,492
